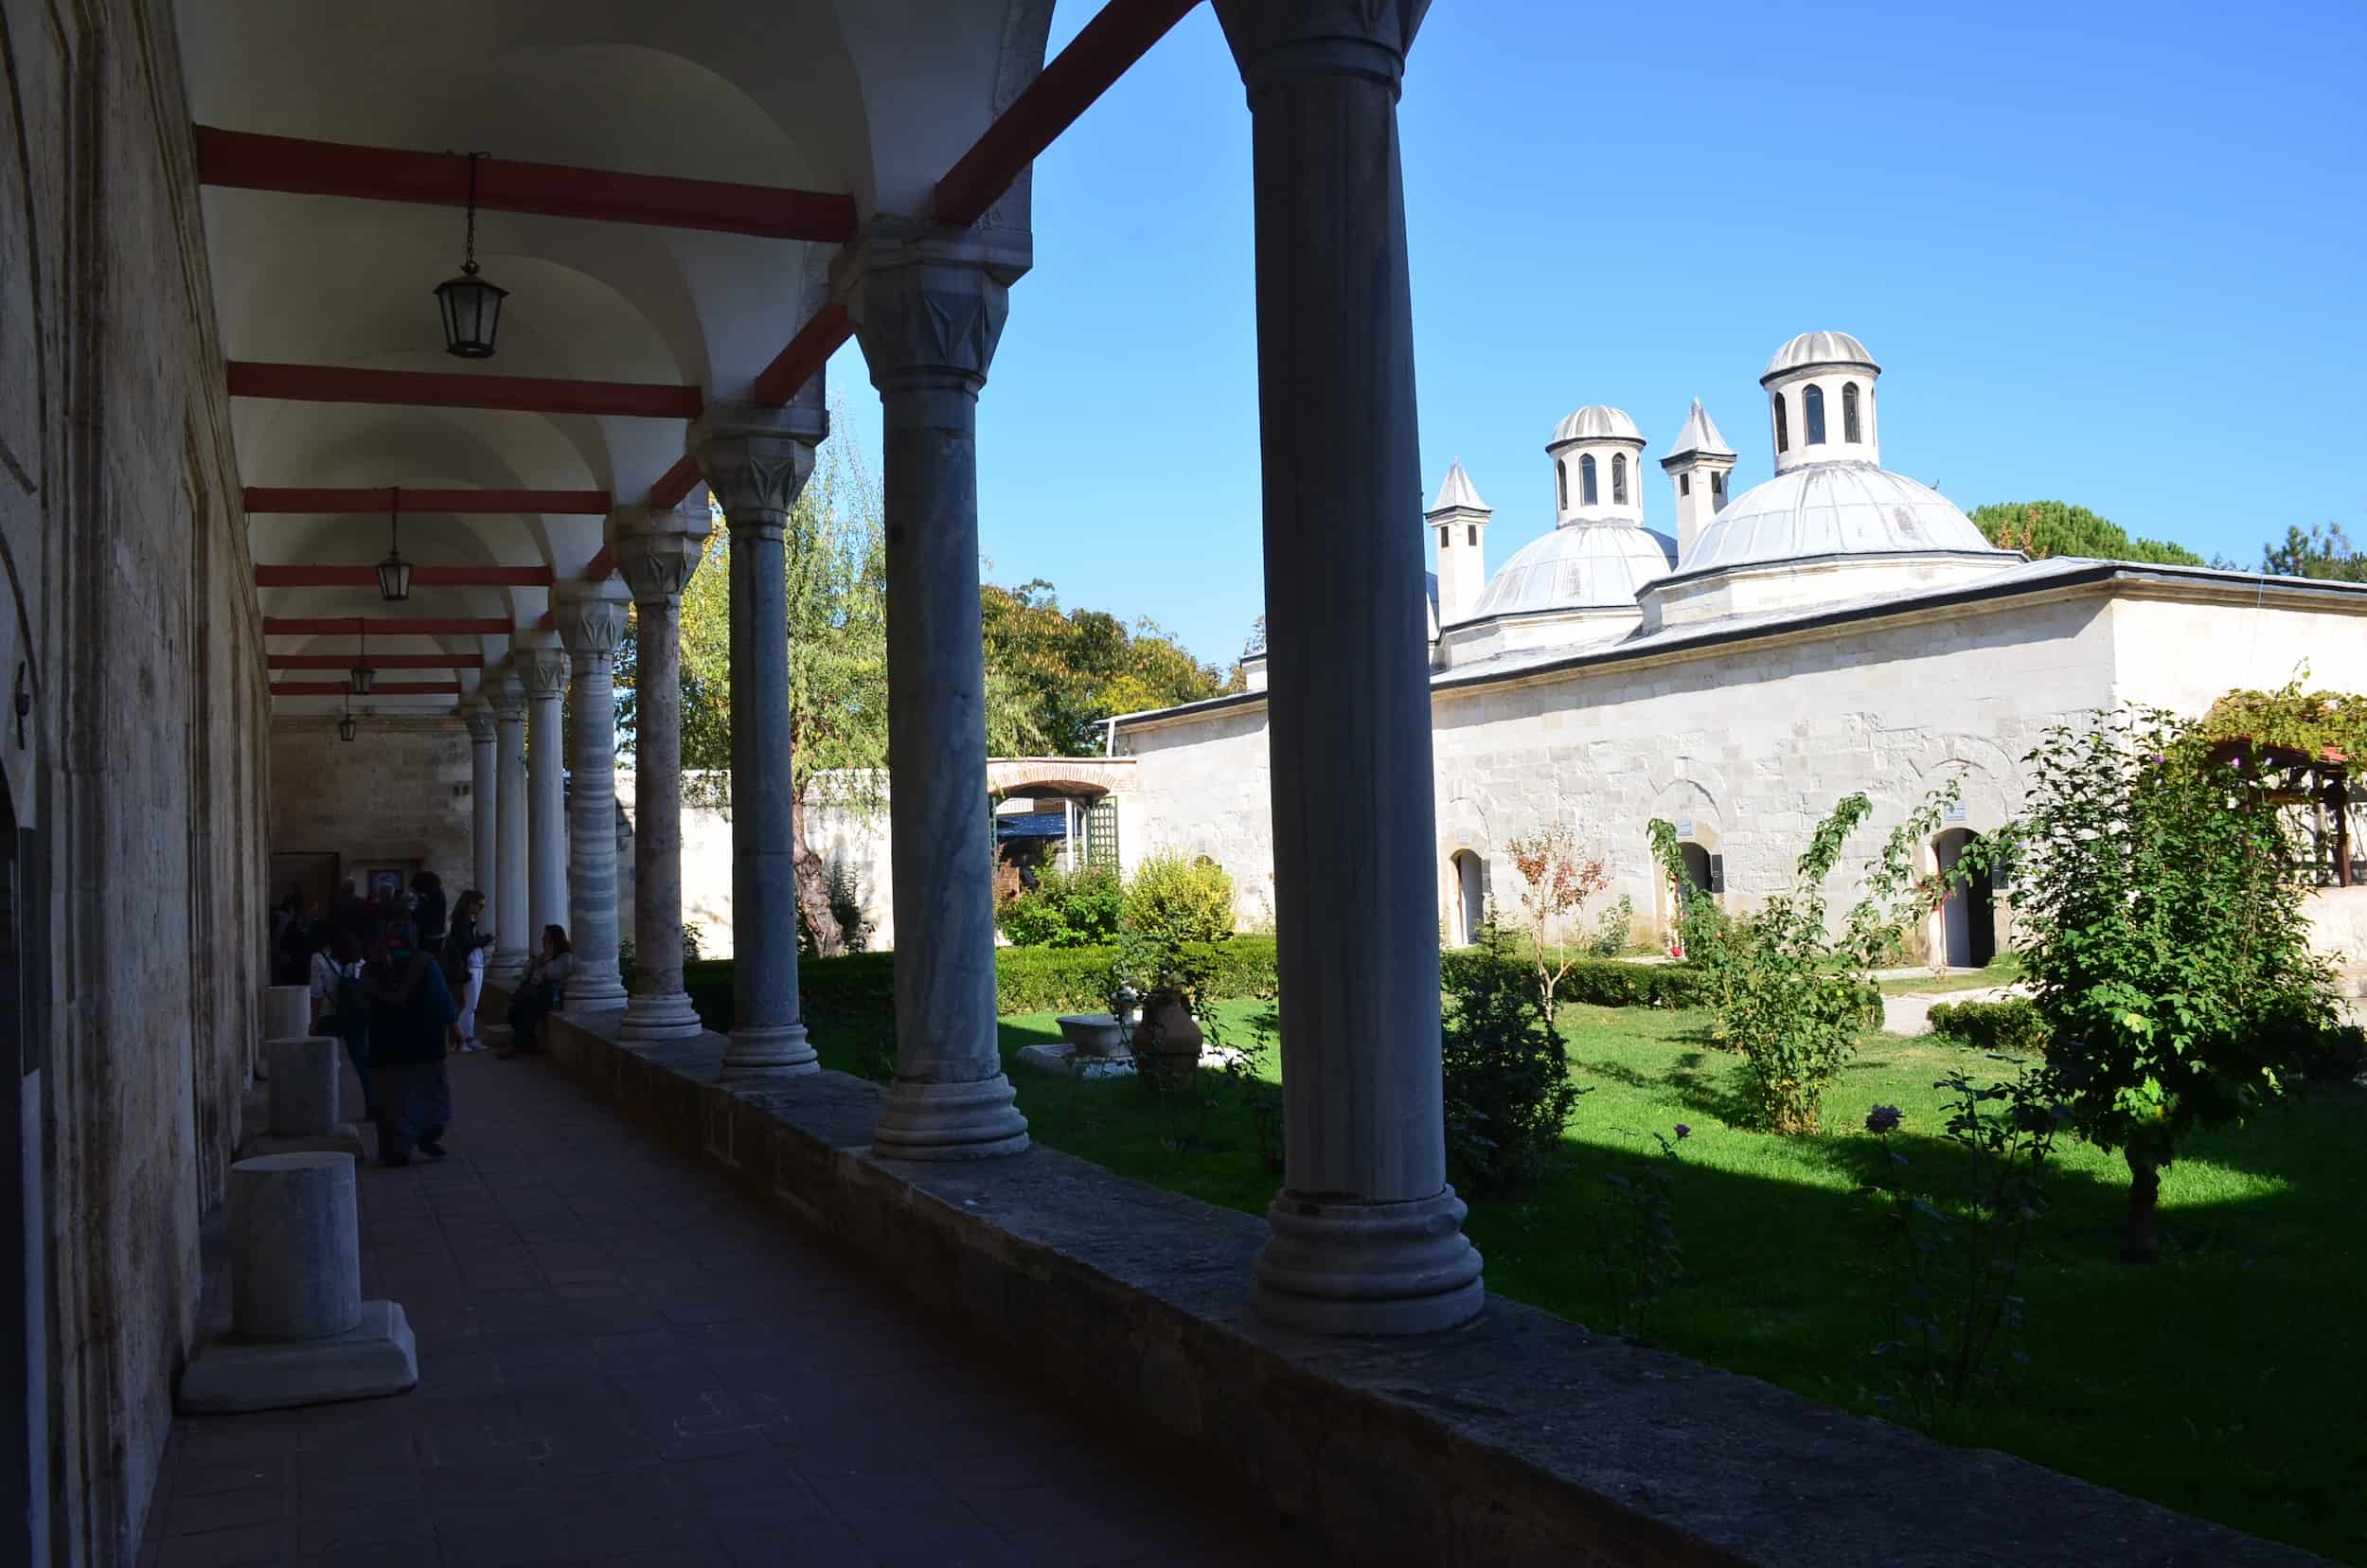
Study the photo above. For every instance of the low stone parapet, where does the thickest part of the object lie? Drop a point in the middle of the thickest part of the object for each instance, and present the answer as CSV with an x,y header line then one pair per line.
x,y
1519,1438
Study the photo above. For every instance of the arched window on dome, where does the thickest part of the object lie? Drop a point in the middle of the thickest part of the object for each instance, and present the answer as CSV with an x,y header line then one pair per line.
x,y
1589,492
1849,426
1619,478
1561,485
1812,410
1782,426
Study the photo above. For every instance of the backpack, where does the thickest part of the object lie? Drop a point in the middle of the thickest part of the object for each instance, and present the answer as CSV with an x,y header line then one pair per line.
x,y
352,1001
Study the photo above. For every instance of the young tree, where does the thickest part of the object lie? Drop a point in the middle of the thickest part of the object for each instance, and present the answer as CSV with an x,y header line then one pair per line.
x,y
2043,528
2325,551
2163,939
1555,882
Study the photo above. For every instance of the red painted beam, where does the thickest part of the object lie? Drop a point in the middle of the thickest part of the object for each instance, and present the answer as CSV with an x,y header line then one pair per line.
x,y
459,389
806,353
378,689
378,661
386,626
1119,34
601,566
264,500
678,482
421,577
248,162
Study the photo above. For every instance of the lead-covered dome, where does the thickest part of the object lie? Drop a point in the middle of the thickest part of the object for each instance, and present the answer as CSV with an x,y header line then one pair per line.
x,y
1592,566
1833,508
1596,423
1814,348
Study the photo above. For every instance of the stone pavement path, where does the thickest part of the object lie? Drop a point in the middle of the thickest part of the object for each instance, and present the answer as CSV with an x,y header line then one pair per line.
x,y
625,1358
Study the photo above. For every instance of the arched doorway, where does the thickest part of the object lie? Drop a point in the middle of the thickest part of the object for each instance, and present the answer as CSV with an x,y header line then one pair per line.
x,y
1470,882
1968,916
1696,861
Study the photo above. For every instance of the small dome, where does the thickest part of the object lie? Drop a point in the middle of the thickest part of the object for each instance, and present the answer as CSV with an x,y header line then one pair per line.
x,y
1833,508
1592,566
1818,348
1596,423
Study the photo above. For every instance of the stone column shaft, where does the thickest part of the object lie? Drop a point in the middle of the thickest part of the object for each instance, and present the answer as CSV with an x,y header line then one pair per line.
x,y
928,311
590,617
543,671
657,552
507,897
1367,1234
756,461
484,805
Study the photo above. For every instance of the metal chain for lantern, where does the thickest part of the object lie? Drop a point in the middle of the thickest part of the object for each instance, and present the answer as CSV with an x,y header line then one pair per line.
x,y
363,676
471,305
393,573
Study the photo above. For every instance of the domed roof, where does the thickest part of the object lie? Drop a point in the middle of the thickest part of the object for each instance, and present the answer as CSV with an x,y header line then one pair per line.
x,y
1833,508
1586,566
1818,348
1596,423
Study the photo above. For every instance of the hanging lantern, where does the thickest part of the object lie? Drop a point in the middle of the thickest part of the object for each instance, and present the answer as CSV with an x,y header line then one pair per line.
x,y
393,573
472,307
362,677
345,723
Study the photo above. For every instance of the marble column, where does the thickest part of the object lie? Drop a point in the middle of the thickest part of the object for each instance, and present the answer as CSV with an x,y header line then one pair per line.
x,y
543,670
484,807
927,307
756,460
591,622
1367,1235
657,553
507,896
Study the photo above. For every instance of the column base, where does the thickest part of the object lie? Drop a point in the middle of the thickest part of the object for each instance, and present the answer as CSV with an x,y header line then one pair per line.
x,y
1348,1268
506,968
596,993
770,1050
949,1121
668,1016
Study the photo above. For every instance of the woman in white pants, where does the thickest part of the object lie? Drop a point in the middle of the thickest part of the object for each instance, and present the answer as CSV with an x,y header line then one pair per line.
x,y
465,952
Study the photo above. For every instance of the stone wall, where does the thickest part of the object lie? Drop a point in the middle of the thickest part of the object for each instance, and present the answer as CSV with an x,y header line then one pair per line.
x,y
133,754
1746,743
384,799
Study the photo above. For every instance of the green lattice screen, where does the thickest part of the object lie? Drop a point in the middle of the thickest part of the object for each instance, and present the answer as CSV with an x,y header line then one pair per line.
x,y
1101,834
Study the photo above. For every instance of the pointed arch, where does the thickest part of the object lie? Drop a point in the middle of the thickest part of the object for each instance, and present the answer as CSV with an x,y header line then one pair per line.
x,y
1562,486
1618,479
1589,492
1812,412
1782,426
1850,429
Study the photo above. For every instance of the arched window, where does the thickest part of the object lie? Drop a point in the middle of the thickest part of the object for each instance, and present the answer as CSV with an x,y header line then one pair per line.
x,y
1812,407
1782,426
1561,485
1849,429
1587,492
1618,479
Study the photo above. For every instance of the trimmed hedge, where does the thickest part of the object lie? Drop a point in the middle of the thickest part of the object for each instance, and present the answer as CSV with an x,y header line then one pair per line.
x,y
1599,982
863,985
2011,1026
1032,980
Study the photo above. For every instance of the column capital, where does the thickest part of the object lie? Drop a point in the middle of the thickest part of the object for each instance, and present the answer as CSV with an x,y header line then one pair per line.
x,y
928,302
543,671
506,692
757,459
480,721
590,617
658,548
1276,40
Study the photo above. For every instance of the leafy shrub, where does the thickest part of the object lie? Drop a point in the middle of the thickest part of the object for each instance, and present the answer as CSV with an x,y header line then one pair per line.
x,y
2008,1028
1192,898
1067,909
2163,938
1614,930
1594,982
1509,1093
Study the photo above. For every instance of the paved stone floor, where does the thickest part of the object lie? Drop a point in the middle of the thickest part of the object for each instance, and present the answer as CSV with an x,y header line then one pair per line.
x,y
623,1357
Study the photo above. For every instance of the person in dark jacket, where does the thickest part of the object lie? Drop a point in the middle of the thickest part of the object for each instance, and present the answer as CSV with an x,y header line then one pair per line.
x,y
465,952
428,911
410,1009
302,937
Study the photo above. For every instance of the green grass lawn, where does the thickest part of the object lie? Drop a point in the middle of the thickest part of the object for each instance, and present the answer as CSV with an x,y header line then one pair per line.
x,y
2225,1380
2002,971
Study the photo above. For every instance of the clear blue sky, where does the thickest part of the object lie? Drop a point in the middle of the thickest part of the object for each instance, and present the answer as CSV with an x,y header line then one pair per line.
x,y
2108,252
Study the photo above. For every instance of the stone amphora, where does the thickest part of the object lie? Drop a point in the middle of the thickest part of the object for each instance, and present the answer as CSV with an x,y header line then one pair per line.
x,y
1166,1041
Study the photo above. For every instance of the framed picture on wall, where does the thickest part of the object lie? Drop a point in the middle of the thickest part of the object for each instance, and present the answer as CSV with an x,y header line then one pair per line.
x,y
386,884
